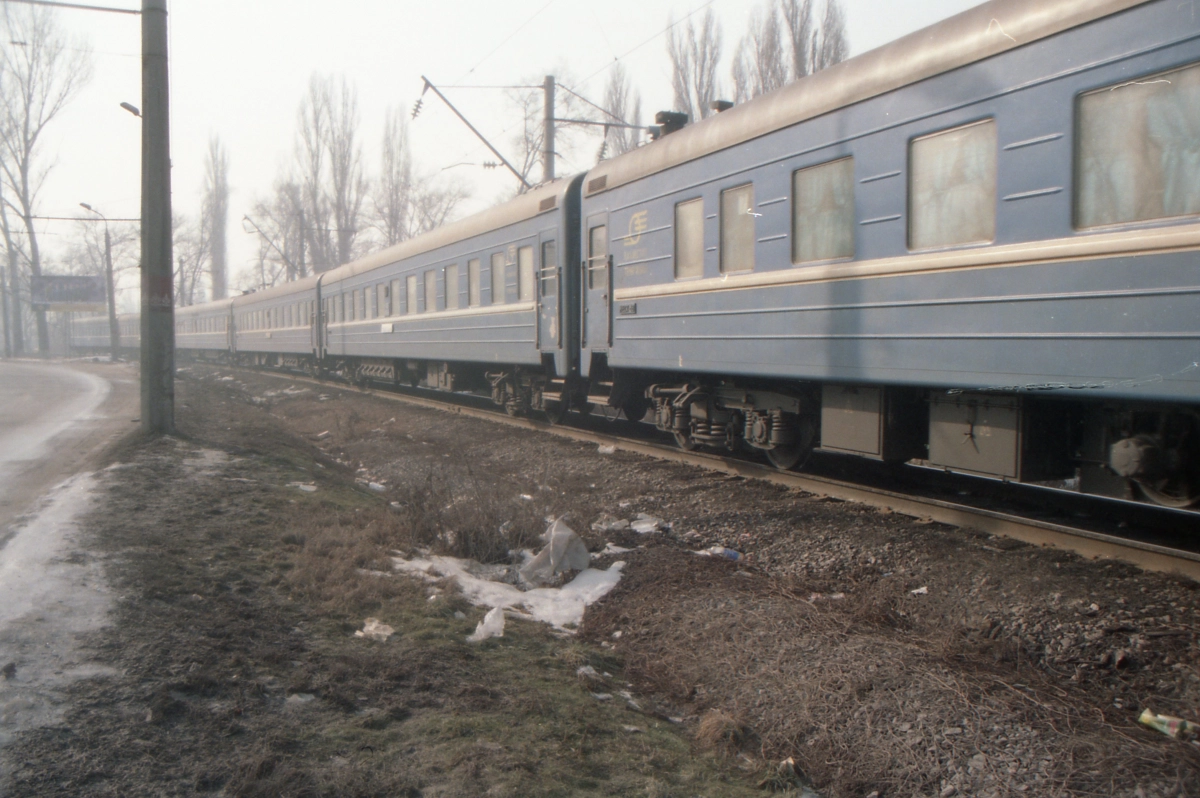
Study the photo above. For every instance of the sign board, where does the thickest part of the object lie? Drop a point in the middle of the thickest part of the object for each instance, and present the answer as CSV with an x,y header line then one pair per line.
x,y
68,292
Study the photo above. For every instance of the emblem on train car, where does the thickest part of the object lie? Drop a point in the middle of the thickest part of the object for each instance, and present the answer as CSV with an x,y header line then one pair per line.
x,y
637,226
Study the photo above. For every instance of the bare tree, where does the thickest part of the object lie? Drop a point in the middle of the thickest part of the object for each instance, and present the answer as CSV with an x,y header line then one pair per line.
x,y
797,18
191,246
329,162
759,65
695,52
40,72
393,200
830,45
624,104
215,214
530,104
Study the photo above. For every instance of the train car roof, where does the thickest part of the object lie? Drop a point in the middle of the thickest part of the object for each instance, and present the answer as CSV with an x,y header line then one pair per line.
x,y
277,291
978,33
536,201
207,307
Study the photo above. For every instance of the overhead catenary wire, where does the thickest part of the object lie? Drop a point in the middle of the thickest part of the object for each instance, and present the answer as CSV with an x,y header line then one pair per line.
x,y
617,59
506,39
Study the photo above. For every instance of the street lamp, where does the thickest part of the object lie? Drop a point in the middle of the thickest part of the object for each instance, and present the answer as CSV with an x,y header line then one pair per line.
x,y
114,331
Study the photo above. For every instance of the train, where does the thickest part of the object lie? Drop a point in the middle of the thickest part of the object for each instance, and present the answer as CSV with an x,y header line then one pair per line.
x,y
974,248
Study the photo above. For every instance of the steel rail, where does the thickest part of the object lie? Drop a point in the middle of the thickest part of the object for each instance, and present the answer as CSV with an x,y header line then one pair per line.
x,y
1084,542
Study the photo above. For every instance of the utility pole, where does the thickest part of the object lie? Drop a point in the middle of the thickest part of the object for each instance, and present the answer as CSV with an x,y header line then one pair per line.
x,y
548,129
158,302
114,331
4,312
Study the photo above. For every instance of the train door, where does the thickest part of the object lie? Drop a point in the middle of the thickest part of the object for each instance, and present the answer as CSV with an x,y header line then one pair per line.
x,y
549,325
597,285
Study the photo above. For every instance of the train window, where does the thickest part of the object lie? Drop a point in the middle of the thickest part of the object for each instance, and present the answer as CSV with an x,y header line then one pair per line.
x,y
410,284
341,307
381,299
737,229
452,286
689,239
498,292
823,212
431,290
395,309
1136,153
360,303
952,187
524,273
597,263
473,298
549,267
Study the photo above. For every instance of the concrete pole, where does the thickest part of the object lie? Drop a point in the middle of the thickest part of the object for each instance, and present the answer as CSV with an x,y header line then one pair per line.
x,y
158,310
548,131
4,312
114,331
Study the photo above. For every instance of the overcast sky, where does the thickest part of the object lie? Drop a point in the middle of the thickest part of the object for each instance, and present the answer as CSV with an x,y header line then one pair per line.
x,y
239,70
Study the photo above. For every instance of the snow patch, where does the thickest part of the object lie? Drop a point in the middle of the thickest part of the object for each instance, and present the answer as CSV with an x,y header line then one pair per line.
x,y
561,607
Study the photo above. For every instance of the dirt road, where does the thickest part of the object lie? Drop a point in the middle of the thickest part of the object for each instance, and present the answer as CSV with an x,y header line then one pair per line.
x,y
56,420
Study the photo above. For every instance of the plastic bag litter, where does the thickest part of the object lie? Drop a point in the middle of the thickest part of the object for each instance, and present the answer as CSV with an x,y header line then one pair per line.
x,y
492,625
608,523
375,629
645,524
602,449
1171,726
563,552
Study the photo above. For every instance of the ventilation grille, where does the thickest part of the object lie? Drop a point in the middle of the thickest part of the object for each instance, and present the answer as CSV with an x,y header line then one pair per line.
x,y
597,183
547,204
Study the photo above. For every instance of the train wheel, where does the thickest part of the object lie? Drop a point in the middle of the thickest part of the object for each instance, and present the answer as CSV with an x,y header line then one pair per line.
x,y
684,441
795,455
635,408
1170,493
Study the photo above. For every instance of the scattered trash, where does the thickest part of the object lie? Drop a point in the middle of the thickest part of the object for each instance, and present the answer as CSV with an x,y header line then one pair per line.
x,y
608,523
377,487
633,729
611,549
492,625
787,777
226,378
375,629
323,435
9,671
623,505
564,551
728,554
920,591
617,634
299,700
602,696
460,615
561,607
603,449
645,524
1171,726
526,497
822,597
307,487
588,672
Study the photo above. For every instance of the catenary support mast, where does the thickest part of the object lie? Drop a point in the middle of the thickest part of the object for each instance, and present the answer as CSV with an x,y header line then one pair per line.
x,y
158,312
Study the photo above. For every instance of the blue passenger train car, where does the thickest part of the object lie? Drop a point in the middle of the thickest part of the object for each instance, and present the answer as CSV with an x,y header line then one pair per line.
x,y
918,252
975,247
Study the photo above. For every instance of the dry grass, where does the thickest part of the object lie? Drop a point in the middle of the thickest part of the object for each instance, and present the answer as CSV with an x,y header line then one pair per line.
x,y
464,517
775,675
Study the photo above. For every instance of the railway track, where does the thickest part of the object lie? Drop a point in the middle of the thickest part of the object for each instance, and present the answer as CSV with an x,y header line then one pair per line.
x,y
1154,538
